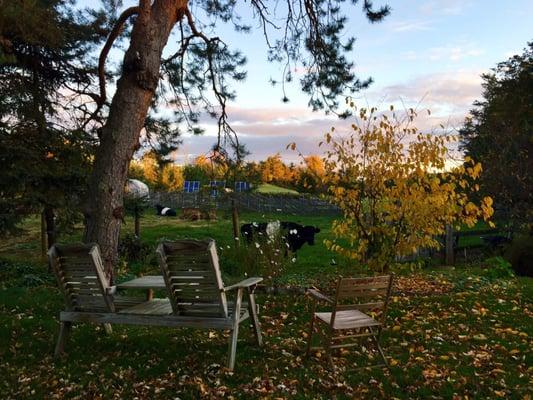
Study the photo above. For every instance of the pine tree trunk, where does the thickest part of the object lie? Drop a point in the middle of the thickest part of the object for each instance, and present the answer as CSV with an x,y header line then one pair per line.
x,y
50,224
120,135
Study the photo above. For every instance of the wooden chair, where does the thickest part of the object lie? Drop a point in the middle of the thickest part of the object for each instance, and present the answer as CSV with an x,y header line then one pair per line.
x,y
357,311
197,294
80,275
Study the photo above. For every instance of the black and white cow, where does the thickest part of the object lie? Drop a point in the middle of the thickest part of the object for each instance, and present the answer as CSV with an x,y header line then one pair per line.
x,y
165,211
296,235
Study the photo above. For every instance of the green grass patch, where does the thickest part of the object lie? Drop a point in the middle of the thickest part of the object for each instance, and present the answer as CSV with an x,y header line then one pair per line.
x,y
268,188
450,333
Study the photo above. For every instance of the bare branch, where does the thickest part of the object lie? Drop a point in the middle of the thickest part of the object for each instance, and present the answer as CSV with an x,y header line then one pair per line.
x,y
109,42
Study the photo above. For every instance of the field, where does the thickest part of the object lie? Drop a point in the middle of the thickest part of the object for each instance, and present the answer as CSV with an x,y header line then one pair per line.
x,y
268,188
451,333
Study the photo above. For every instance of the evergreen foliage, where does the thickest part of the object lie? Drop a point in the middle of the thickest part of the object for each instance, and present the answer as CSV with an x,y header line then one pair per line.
x,y
44,69
499,134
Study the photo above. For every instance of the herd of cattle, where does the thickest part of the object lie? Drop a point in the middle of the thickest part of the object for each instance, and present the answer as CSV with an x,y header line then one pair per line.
x,y
294,234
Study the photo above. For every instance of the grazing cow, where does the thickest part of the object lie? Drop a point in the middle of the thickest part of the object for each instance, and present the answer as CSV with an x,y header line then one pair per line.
x,y
296,235
249,231
165,211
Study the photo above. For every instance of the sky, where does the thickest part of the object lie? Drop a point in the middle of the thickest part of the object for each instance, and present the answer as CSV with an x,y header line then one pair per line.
x,y
427,53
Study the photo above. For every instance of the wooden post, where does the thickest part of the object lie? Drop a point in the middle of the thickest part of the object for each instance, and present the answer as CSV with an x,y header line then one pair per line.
x,y
449,242
137,222
49,220
44,247
235,220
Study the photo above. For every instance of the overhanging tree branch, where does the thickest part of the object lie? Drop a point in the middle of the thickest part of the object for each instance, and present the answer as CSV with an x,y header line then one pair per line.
x,y
115,32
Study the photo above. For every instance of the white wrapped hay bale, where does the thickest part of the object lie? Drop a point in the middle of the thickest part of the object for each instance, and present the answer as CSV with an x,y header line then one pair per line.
x,y
136,189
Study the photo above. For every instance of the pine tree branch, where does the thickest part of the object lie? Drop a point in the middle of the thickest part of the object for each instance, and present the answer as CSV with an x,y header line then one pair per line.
x,y
115,32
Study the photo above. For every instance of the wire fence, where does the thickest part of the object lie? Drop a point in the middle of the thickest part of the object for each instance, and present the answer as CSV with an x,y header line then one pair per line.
x,y
256,202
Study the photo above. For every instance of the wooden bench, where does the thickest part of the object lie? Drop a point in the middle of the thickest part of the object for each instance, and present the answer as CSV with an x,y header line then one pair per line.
x,y
197,297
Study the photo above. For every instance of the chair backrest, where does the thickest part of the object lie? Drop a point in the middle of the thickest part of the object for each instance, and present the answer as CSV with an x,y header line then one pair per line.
x,y
80,275
363,294
192,276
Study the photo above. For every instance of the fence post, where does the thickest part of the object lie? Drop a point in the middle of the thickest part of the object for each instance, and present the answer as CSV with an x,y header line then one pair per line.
x,y
449,241
44,247
235,220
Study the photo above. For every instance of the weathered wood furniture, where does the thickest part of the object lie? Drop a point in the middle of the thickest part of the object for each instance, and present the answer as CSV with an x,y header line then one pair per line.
x,y
89,298
358,311
197,294
147,282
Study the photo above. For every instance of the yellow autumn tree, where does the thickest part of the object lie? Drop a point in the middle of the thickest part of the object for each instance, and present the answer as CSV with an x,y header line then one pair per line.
x,y
315,165
151,169
172,177
391,183
311,174
274,170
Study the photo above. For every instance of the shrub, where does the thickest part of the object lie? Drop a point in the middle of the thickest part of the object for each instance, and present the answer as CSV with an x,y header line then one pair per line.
x,y
267,257
392,186
17,274
497,267
131,248
520,253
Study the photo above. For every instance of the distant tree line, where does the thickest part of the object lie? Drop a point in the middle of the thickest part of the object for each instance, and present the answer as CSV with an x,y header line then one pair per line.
x,y
161,174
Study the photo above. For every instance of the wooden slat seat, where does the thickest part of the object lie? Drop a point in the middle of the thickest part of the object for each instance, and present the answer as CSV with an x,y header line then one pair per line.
x,y
122,302
210,310
151,307
163,307
348,319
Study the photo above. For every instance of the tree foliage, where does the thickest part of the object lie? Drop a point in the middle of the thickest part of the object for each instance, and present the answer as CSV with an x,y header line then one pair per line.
x,y
391,184
499,133
46,159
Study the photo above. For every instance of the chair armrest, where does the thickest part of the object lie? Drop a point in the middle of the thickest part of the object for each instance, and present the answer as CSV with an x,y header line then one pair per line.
x,y
315,294
244,284
111,290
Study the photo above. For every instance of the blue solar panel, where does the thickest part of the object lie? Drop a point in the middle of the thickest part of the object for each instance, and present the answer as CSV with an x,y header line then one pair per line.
x,y
242,186
191,186
215,185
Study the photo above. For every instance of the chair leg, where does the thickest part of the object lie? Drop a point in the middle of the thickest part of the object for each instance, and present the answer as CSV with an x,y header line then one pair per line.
x,y
64,330
380,350
108,329
252,309
235,331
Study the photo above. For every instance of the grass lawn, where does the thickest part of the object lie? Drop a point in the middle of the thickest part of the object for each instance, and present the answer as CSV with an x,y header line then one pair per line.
x,y
451,333
268,188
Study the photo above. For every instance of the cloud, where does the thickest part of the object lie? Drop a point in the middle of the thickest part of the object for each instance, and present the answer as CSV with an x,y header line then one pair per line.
x,y
266,131
444,7
444,91
410,26
454,53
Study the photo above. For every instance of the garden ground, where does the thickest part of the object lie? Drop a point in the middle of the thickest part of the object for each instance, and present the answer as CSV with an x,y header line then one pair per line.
x,y
451,333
